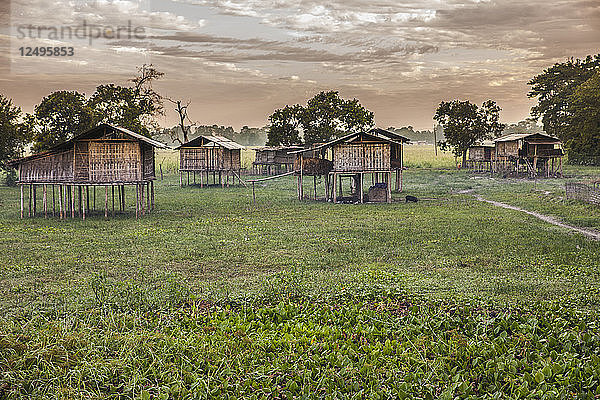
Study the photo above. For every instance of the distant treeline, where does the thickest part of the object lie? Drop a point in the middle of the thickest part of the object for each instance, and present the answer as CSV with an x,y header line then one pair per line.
x,y
247,136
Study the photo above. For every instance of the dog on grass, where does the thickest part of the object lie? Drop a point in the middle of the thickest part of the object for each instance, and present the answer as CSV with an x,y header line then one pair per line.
x,y
411,199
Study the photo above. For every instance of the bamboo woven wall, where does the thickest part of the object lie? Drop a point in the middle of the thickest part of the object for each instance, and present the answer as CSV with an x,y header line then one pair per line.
x,y
112,161
506,149
148,161
361,157
274,156
51,168
209,159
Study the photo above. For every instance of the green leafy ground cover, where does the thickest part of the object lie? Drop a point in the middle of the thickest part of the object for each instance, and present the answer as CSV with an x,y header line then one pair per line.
x,y
212,297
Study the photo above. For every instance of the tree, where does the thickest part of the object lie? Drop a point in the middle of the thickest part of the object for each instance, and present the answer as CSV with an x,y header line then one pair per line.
x,y
183,118
12,137
59,116
554,89
583,133
328,116
132,108
284,126
466,124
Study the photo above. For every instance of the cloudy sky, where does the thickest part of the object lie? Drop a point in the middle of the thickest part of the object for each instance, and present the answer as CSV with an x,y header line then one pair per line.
x,y
236,60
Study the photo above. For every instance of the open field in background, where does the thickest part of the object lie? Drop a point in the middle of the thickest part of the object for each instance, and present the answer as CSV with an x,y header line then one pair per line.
x,y
212,297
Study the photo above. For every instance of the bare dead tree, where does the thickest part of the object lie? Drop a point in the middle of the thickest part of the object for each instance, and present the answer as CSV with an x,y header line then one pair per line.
x,y
182,112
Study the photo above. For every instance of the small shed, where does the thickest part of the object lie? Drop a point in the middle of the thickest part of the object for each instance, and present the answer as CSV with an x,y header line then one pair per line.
x,y
377,153
481,156
274,159
210,154
530,153
107,155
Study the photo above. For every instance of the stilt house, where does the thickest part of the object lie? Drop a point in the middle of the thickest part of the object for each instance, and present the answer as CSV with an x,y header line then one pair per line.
x,y
107,156
377,153
210,154
481,156
274,160
534,154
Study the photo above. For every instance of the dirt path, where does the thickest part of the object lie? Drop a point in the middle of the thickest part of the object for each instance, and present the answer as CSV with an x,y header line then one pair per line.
x,y
586,232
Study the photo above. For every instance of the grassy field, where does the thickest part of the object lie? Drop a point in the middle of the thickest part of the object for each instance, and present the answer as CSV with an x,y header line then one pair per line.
x,y
214,297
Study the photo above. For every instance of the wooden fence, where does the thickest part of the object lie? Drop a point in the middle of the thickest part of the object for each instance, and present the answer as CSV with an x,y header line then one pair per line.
x,y
581,191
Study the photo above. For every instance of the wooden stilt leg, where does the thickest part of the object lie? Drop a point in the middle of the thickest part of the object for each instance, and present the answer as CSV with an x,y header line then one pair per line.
x,y
194,177
137,200
30,200
60,201
94,202
123,204
105,201
360,188
45,202
201,179
315,185
112,192
72,201
389,186
85,203
148,196
22,205
87,198
180,179
53,202
188,178
34,200
152,192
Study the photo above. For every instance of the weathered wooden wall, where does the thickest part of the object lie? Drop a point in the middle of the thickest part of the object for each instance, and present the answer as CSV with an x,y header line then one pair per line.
x,y
209,159
507,149
361,157
56,167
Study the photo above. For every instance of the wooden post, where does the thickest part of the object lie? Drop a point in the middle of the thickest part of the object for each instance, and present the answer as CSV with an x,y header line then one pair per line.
x,y
80,202
253,194
188,178
106,201
194,177
60,201
85,204
341,187
137,200
315,185
22,205
326,186
360,187
34,200
148,196
112,192
94,202
389,186
201,179
53,202
45,201
30,200
72,201
180,179
152,191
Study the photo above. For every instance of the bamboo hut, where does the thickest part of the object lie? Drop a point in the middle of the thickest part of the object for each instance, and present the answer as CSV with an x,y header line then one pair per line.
x,y
210,154
481,156
376,153
528,153
105,156
274,160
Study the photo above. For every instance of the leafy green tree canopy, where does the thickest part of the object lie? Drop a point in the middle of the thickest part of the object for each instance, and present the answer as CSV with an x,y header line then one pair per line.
x,y
555,90
466,124
583,135
326,116
284,126
59,116
12,138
